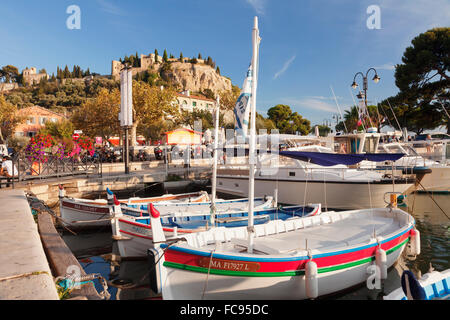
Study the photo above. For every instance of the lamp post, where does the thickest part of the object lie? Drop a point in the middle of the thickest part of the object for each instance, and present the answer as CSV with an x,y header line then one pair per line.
x,y
337,118
376,79
126,109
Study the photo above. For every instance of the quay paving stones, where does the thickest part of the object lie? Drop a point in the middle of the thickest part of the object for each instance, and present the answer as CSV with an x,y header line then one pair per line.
x,y
24,270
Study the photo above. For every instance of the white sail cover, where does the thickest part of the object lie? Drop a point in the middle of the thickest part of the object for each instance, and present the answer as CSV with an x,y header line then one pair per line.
x,y
242,108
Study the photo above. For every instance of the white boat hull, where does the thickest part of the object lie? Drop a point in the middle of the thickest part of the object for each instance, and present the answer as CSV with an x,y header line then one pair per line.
x,y
83,214
436,181
181,284
332,195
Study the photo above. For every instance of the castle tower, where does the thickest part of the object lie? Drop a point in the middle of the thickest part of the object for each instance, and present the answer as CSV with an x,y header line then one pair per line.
x,y
115,70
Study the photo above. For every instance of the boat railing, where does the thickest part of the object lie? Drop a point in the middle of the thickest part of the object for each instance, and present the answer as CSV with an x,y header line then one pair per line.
x,y
436,150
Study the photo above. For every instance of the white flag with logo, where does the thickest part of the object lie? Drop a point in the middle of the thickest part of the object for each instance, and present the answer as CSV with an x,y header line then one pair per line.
x,y
242,107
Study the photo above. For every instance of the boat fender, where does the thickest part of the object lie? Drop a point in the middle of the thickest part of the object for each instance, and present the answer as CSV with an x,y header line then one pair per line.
x,y
415,242
381,262
153,211
311,281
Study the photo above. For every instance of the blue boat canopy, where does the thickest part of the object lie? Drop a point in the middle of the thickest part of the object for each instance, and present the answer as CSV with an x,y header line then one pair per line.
x,y
332,159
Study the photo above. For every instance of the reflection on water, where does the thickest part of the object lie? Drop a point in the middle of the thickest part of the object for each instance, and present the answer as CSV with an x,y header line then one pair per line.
x,y
129,280
432,212
433,225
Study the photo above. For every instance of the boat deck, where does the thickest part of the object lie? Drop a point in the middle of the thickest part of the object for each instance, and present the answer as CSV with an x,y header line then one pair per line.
x,y
321,233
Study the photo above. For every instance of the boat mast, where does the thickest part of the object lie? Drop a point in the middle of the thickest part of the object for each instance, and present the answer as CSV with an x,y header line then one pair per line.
x,y
251,156
214,173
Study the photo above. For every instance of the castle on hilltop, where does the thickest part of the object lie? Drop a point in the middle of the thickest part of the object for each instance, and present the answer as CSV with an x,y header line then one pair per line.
x,y
30,76
146,62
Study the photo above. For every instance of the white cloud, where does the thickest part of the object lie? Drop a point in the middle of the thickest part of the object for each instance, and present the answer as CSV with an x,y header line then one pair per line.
x,y
325,98
386,66
110,8
258,5
285,67
310,103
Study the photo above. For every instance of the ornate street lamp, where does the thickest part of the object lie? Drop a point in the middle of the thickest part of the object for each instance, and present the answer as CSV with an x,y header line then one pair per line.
x,y
375,79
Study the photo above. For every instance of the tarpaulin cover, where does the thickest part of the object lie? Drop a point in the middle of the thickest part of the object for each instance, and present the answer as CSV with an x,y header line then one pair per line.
x,y
332,159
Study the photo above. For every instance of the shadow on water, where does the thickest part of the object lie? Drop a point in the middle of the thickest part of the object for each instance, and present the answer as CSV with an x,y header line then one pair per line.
x,y
129,280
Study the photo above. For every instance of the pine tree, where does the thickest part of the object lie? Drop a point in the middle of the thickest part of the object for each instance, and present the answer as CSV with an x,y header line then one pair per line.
x,y
181,56
199,56
66,73
156,55
165,56
137,61
218,70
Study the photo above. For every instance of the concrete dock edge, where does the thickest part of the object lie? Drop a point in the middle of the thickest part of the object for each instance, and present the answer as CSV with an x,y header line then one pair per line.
x,y
25,273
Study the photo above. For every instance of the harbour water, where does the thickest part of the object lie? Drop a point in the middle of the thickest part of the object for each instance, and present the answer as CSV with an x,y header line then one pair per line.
x,y
129,280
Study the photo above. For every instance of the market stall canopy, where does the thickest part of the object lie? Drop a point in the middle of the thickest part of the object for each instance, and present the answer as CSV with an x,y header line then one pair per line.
x,y
183,137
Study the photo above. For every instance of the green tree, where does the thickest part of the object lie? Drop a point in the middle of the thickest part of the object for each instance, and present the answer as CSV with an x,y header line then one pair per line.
x,y
165,56
61,129
98,116
9,74
424,81
66,73
228,98
181,57
208,93
287,121
218,70
9,119
324,130
156,55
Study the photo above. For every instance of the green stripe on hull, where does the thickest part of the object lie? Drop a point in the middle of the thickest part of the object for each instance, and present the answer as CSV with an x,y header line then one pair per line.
x,y
276,274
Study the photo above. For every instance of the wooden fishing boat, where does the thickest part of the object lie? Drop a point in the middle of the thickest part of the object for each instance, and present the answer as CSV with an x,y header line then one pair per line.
x,y
433,285
134,232
83,213
293,259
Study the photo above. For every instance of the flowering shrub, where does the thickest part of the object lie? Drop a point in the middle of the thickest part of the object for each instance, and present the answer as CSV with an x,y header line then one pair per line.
x,y
38,146
41,147
86,144
83,143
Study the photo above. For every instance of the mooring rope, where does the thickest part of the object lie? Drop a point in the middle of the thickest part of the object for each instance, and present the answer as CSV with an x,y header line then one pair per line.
x,y
431,196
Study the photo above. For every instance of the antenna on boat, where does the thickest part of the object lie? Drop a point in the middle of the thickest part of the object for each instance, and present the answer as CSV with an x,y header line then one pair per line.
x,y
395,117
339,109
252,159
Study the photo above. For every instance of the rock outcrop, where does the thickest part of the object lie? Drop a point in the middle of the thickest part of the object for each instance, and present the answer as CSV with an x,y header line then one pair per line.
x,y
196,77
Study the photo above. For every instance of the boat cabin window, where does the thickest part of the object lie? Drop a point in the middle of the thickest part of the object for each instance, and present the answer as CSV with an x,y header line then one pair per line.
x,y
394,149
370,145
354,145
291,174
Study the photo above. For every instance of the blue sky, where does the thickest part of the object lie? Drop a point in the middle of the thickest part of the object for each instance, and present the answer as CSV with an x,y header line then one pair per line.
x,y
306,48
